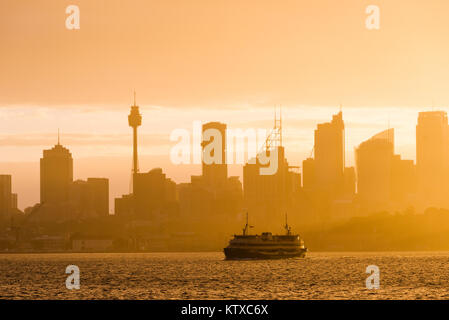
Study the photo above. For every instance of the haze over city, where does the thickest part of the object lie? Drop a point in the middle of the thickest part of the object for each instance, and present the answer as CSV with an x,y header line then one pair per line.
x,y
209,149
206,61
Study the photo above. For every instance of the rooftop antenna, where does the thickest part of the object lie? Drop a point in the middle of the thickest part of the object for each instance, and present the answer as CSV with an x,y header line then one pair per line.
x,y
274,137
388,131
275,113
280,123
58,138
344,138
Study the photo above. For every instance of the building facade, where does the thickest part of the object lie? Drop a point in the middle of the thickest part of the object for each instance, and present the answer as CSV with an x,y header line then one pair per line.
x,y
6,201
432,158
56,175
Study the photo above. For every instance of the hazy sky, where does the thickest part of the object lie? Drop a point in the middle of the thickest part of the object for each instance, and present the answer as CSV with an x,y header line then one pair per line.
x,y
230,61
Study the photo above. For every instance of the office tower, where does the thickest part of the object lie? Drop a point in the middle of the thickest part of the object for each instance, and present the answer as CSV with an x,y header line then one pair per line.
x,y
200,203
134,121
212,200
384,180
308,174
56,174
374,165
330,157
403,182
5,195
14,201
124,206
89,198
153,192
99,187
80,200
269,197
327,183
196,201
214,167
432,158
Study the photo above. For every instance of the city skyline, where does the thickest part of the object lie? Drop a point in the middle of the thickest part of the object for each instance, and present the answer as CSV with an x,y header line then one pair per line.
x,y
188,170
309,57
181,173
210,150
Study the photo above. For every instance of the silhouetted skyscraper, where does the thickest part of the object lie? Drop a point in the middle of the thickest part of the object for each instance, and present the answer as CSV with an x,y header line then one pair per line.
x,y
268,197
100,190
89,198
124,206
308,174
384,180
374,166
330,156
56,174
214,173
5,195
153,193
403,182
212,198
432,158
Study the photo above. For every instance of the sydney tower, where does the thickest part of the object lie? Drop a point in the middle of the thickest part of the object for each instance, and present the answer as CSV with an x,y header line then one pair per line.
x,y
135,120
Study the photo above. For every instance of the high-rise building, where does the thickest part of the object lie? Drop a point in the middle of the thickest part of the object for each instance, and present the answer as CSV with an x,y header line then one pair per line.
x,y
384,180
327,184
196,201
56,175
432,158
214,167
89,198
153,193
5,195
330,157
268,197
100,190
212,196
308,174
403,182
374,161
124,206
14,201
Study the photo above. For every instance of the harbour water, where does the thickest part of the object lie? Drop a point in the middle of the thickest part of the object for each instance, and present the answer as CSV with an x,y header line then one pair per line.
x,y
403,275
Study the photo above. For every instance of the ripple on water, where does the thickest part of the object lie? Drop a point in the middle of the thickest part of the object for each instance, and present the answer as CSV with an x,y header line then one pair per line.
x,y
207,276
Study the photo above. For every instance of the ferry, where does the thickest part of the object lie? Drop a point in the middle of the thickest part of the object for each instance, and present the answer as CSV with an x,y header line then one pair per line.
x,y
266,245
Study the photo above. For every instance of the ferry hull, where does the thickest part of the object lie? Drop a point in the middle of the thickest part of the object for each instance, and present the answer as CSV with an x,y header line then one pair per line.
x,y
243,253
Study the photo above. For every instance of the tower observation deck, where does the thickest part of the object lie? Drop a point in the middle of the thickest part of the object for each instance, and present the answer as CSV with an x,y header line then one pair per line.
x,y
135,120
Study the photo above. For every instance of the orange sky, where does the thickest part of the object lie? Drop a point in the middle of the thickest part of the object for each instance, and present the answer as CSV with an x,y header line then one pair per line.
x,y
209,60
224,53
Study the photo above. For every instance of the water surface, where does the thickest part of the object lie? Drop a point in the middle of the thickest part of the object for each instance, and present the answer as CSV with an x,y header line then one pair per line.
x,y
411,275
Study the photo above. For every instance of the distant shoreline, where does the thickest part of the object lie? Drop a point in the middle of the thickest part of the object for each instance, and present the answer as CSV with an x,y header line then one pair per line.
x,y
211,251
